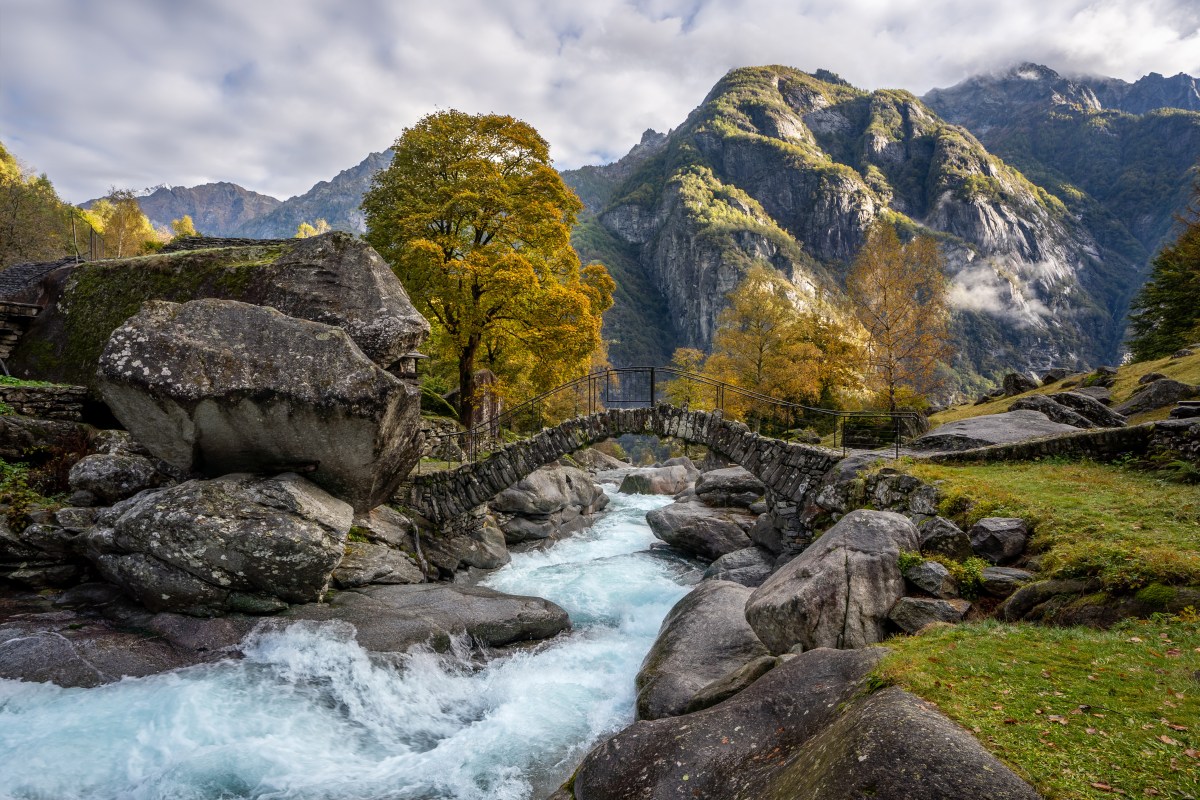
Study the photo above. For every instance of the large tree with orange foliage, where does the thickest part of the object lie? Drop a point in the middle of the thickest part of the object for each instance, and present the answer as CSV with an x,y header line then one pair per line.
x,y
898,291
476,224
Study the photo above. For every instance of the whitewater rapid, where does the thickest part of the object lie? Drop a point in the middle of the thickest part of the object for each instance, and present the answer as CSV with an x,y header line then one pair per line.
x,y
308,714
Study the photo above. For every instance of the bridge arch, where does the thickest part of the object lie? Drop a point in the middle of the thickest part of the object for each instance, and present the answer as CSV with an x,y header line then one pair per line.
x,y
790,471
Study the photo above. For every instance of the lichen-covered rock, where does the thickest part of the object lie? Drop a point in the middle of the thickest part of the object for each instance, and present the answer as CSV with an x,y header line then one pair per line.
x,y
216,386
702,638
934,578
699,530
110,478
940,535
914,613
237,543
999,539
1003,581
838,592
366,563
339,280
1015,383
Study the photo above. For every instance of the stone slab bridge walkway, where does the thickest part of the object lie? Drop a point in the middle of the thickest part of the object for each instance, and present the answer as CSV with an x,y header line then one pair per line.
x,y
791,471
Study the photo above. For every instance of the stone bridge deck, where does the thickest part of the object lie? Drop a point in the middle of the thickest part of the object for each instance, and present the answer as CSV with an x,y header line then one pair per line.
x,y
790,471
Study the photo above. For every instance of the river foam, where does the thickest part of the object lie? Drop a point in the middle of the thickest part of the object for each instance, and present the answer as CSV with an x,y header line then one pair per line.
x,y
308,714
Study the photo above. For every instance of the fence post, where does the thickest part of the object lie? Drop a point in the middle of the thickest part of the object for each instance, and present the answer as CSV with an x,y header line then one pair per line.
x,y
652,404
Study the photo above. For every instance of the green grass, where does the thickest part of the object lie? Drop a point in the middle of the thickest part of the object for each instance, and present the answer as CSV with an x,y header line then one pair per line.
x,y
8,380
1073,710
1127,527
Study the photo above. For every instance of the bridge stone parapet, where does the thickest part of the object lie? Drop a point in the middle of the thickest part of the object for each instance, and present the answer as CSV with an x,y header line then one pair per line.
x,y
791,471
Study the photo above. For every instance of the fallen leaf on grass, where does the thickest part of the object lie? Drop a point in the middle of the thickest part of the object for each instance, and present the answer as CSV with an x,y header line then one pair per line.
x,y
1168,740
1061,720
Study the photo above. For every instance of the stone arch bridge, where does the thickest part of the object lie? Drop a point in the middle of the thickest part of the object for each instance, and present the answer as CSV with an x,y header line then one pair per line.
x,y
789,470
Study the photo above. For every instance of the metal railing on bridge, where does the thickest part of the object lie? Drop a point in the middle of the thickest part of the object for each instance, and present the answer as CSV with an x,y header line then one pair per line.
x,y
645,387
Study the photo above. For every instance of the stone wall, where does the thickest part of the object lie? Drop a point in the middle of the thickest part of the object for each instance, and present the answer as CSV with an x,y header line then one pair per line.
x,y
789,470
46,402
1102,444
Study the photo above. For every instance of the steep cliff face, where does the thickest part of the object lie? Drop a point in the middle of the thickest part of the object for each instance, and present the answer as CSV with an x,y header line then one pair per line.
x,y
336,201
789,169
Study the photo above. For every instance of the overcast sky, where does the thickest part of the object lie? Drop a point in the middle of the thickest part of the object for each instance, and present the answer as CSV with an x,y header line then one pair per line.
x,y
278,94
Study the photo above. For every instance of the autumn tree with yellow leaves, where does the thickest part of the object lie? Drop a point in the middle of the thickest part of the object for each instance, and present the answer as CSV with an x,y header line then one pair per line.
x,y
476,224
898,291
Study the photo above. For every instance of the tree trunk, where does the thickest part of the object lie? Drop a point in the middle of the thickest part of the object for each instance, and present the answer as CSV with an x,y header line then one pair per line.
x,y
466,382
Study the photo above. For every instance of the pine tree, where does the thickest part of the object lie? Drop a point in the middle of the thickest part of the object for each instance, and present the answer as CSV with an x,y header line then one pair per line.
x,y
1165,316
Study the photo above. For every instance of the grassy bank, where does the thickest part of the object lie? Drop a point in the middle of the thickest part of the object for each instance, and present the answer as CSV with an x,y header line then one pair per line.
x,y
1185,370
1129,528
1078,712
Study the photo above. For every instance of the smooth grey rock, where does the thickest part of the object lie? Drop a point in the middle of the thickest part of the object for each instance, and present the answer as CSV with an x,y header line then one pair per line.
x,y
999,539
1026,599
914,613
1006,428
1101,394
722,750
375,563
1159,394
732,486
1091,407
703,637
477,543
932,577
548,503
656,480
838,592
699,530
1056,412
892,745
92,594
940,535
1003,581
1017,383
1054,375
237,543
595,460
749,566
385,525
111,478
391,619
218,386
731,683
1150,377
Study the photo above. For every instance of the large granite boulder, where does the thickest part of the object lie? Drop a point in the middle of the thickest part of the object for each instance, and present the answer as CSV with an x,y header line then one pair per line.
x,y
366,562
391,619
731,486
1087,405
339,280
1157,394
914,613
1054,411
697,529
999,539
218,386
237,543
805,729
749,566
658,480
336,279
838,592
703,638
550,502
1015,383
1006,428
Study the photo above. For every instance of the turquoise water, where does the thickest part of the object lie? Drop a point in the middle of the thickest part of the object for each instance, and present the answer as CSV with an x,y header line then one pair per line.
x,y
307,714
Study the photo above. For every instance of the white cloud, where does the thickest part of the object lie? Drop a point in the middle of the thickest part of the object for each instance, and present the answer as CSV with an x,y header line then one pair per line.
x,y
277,94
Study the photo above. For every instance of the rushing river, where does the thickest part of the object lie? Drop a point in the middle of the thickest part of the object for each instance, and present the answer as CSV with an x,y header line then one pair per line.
x,y
307,714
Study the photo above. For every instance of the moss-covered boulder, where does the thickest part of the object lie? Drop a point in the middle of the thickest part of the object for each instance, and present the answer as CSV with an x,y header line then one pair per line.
x,y
217,386
335,279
